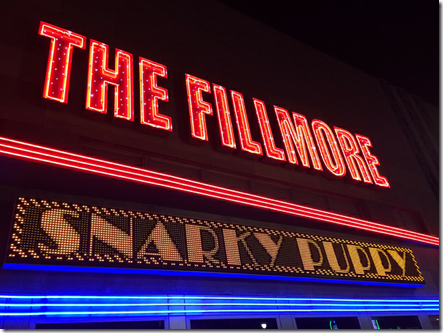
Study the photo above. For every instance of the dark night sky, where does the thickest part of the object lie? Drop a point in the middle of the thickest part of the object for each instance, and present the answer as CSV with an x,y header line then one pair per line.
x,y
397,40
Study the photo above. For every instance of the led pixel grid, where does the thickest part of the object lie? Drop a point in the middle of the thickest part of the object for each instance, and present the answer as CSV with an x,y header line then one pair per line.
x,y
61,233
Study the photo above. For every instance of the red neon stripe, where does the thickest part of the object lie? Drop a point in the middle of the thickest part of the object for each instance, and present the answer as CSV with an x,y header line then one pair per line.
x,y
83,163
187,185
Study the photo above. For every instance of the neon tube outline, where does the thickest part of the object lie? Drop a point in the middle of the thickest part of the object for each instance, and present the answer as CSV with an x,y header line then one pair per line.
x,y
216,298
204,304
68,59
204,311
264,304
41,154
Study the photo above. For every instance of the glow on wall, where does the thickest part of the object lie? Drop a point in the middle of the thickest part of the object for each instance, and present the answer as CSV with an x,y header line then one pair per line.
x,y
60,233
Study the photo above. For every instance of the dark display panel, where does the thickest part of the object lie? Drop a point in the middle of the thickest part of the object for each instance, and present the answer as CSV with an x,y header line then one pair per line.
x,y
328,323
396,322
152,324
243,323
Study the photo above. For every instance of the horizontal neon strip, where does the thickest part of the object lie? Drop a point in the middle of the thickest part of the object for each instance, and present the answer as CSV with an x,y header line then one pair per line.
x,y
204,305
304,299
168,312
57,268
401,305
40,154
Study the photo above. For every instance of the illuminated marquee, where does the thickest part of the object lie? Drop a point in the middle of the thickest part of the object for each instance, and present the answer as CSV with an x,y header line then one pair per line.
x,y
338,156
61,233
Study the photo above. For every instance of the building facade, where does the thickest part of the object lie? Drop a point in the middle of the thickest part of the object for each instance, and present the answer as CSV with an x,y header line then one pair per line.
x,y
179,165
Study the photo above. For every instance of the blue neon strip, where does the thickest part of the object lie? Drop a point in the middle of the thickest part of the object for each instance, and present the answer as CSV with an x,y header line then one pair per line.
x,y
169,305
166,312
206,304
217,297
197,273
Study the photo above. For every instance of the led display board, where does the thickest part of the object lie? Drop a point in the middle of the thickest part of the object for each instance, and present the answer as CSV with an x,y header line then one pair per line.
x,y
68,234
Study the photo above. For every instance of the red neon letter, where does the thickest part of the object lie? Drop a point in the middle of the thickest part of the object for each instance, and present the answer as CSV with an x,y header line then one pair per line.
x,y
350,150
371,160
298,136
268,139
150,93
244,132
58,70
198,107
224,117
334,163
100,76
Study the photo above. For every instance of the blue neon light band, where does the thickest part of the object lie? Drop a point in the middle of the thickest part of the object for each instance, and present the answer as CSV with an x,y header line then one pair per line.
x,y
206,304
216,297
203,304
167,305
166,312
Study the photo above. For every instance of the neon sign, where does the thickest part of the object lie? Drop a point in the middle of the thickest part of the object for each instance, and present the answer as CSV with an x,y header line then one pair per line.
x,y
157,304
62,233
337,156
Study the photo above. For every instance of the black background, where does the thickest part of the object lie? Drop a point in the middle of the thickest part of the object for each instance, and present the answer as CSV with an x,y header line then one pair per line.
x,y
397,40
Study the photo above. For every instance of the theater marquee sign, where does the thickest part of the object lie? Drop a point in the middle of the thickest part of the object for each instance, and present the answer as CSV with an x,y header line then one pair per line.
x,y
61,233
313,145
